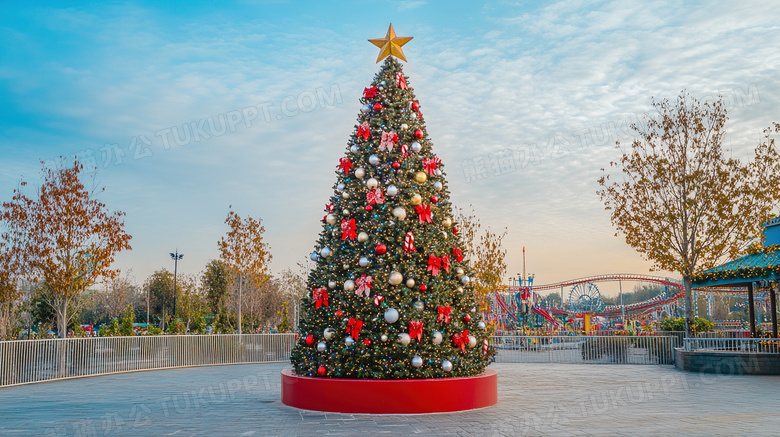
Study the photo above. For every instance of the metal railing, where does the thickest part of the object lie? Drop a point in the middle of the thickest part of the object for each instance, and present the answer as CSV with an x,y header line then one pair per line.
x,y
586,349
760,345
27,361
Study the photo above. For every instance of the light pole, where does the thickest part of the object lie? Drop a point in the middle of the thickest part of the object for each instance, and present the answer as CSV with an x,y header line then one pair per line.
x,y
176,257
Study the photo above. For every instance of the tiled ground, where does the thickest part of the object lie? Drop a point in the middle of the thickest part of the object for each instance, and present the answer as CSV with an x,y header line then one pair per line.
x,y
534,399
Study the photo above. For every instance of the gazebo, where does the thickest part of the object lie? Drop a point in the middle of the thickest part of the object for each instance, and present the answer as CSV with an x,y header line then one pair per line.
x,y
760,265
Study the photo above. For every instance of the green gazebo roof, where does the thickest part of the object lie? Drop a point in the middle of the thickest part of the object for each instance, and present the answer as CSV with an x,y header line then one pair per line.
x,y
762,265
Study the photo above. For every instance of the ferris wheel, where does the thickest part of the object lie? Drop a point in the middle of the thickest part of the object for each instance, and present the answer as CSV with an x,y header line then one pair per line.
x,y
586,298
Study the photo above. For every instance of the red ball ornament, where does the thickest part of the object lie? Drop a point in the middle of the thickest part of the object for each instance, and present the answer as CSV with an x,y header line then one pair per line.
x,y
418,133
377,107
380,248
415,106
467,318
339,313
423,287
309,339
396,165
369,207
322,371
434,199
366,342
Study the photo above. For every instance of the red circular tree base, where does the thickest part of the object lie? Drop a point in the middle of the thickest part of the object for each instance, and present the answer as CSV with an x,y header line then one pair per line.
x,y
397,396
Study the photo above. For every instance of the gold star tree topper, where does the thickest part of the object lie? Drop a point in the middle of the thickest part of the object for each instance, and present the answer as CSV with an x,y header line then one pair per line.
x,y
391,45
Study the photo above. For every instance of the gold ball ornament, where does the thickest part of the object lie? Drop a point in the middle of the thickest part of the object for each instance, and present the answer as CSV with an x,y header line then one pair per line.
x,y
416,198
447,222
421,177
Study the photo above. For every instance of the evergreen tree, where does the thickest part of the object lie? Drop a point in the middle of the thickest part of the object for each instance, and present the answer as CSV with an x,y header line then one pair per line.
x,y
389,297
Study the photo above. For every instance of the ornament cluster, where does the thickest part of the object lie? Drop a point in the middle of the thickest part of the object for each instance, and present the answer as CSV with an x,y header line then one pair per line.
x,y
390,295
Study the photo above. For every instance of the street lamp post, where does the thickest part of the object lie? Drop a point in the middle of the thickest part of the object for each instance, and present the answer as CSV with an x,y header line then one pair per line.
x,y
176,257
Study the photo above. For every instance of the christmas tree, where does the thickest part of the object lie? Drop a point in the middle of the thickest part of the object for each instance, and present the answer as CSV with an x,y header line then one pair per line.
x,y
390,295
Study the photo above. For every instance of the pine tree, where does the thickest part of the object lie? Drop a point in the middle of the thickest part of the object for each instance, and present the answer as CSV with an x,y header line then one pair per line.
x,y
389,297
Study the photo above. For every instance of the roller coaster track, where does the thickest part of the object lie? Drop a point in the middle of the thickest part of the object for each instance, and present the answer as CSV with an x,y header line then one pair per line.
x,y
600,278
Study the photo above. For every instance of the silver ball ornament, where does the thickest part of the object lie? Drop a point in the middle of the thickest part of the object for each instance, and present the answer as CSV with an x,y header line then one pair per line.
x,y
373,160
472,341
459,271
383,338
328,333
446,365
331,219
437,186
392,191
391,315
404,339
348,341
360,172
395,278
437,172
363,261
417,362
325,252
345,211
322,347
362,237
332,284
314,256
365,108
437,337
372,183
416,147
481,325
341,186
349,285
465,279
399,213
354,148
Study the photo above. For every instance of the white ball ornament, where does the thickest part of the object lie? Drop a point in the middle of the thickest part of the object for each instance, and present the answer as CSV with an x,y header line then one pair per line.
x,y
417,362
481,325
322,347
437,337
392,191
472,341
373,160
404,126
372,183
395,278
399,213
437,172
404,339
437,186
465,279
459,289
325,252
410,282
328,333
383,338
332,284
341,186
345,195
349,341
331,219
446,365
360,172
416,147
349,285
363,261
362,237
391,315
354,148
459,271
345,211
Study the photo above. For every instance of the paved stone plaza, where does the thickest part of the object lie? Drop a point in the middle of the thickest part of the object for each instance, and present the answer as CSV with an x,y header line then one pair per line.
x,y
533,399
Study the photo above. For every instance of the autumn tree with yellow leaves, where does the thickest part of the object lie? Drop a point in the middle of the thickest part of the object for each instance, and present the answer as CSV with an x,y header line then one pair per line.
x,y
680,199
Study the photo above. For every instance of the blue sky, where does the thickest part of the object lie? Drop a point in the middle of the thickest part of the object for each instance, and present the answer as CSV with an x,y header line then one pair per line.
x,y
188,108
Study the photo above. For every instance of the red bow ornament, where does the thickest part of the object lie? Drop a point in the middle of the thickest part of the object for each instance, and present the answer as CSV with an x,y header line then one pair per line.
x,y
363,285
354,326
431,165
416,330
444,315
375,196
329,207
409,243
320,297
445,263
461,340
434,264
457,254
424,212
345,164
389,140
348,229
363,131
400,81
369,92
419,115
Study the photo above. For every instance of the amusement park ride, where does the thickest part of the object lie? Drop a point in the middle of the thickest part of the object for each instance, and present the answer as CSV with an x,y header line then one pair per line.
x,y
518,305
